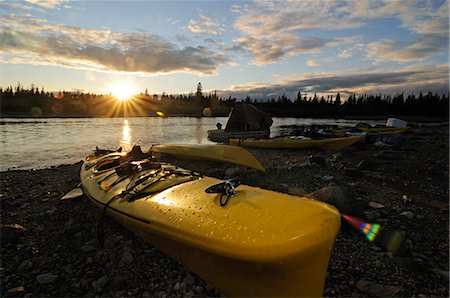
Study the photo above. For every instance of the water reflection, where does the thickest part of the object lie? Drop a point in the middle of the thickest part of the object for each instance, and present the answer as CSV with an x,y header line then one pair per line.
x,y
126,141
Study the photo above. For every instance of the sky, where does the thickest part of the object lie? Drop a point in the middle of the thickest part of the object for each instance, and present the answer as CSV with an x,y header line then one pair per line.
x,y
261,49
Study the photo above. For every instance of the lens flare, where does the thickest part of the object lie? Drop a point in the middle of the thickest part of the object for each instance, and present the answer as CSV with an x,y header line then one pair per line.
x,y
370,230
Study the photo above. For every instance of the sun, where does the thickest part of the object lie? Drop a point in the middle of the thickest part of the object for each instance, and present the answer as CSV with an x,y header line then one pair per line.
x,y
123,91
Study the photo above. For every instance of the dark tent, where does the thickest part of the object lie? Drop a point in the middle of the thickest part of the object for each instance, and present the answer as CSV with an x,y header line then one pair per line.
x,y
246,117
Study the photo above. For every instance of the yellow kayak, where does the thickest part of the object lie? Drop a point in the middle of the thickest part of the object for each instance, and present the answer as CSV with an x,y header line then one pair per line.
x,y
371,130
222,153
298,143
245,240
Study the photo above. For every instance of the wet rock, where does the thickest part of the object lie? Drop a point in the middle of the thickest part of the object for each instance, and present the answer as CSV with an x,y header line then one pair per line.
x,y
342,199
376,289
46,278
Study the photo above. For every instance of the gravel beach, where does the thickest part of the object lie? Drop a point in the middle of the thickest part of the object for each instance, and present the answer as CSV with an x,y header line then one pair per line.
x,y
49,247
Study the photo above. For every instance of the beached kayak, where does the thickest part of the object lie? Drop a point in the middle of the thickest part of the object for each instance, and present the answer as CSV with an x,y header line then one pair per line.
x,y
245,240
370,130
298,143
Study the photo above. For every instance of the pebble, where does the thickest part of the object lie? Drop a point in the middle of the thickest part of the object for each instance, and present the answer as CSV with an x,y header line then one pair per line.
x,y
101,282
17,291
408,214
26,265
189,280
126,259
375,205
46,278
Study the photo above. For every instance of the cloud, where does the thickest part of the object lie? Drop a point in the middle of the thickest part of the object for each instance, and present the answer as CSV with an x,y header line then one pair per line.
x,y
390,50
48,4
274,30
347,53
318,62
428,20
263,23
102,50
411,79
206,25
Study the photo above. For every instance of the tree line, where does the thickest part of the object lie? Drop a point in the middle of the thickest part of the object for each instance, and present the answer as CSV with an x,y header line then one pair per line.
x,y
34,102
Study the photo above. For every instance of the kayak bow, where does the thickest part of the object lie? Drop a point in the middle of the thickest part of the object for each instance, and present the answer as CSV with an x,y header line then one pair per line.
x,y
222,153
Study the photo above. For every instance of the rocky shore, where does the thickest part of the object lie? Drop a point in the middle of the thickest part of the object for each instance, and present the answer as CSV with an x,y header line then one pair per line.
x,y
49,247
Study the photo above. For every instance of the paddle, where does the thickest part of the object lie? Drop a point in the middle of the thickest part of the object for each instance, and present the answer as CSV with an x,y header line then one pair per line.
x,y
390,240
222,153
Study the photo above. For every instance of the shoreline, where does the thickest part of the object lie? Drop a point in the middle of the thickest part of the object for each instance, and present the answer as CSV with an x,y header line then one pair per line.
x,y
413,119
54,251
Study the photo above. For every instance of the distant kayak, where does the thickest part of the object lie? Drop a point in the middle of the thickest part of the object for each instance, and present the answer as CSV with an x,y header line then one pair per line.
x,y
244,240
369,130
291,142
223,136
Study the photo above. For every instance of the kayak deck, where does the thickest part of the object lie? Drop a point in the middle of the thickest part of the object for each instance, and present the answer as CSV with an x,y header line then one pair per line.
x,y
287,238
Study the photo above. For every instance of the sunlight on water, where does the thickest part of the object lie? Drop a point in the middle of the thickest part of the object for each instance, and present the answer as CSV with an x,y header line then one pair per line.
x,y
126,141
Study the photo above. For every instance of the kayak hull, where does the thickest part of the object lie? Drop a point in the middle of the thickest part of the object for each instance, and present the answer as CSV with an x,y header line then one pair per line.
x,y
298,143
223,136
261,243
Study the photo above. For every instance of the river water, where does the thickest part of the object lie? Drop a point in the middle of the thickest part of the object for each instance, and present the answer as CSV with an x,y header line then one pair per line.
x,y
45,142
